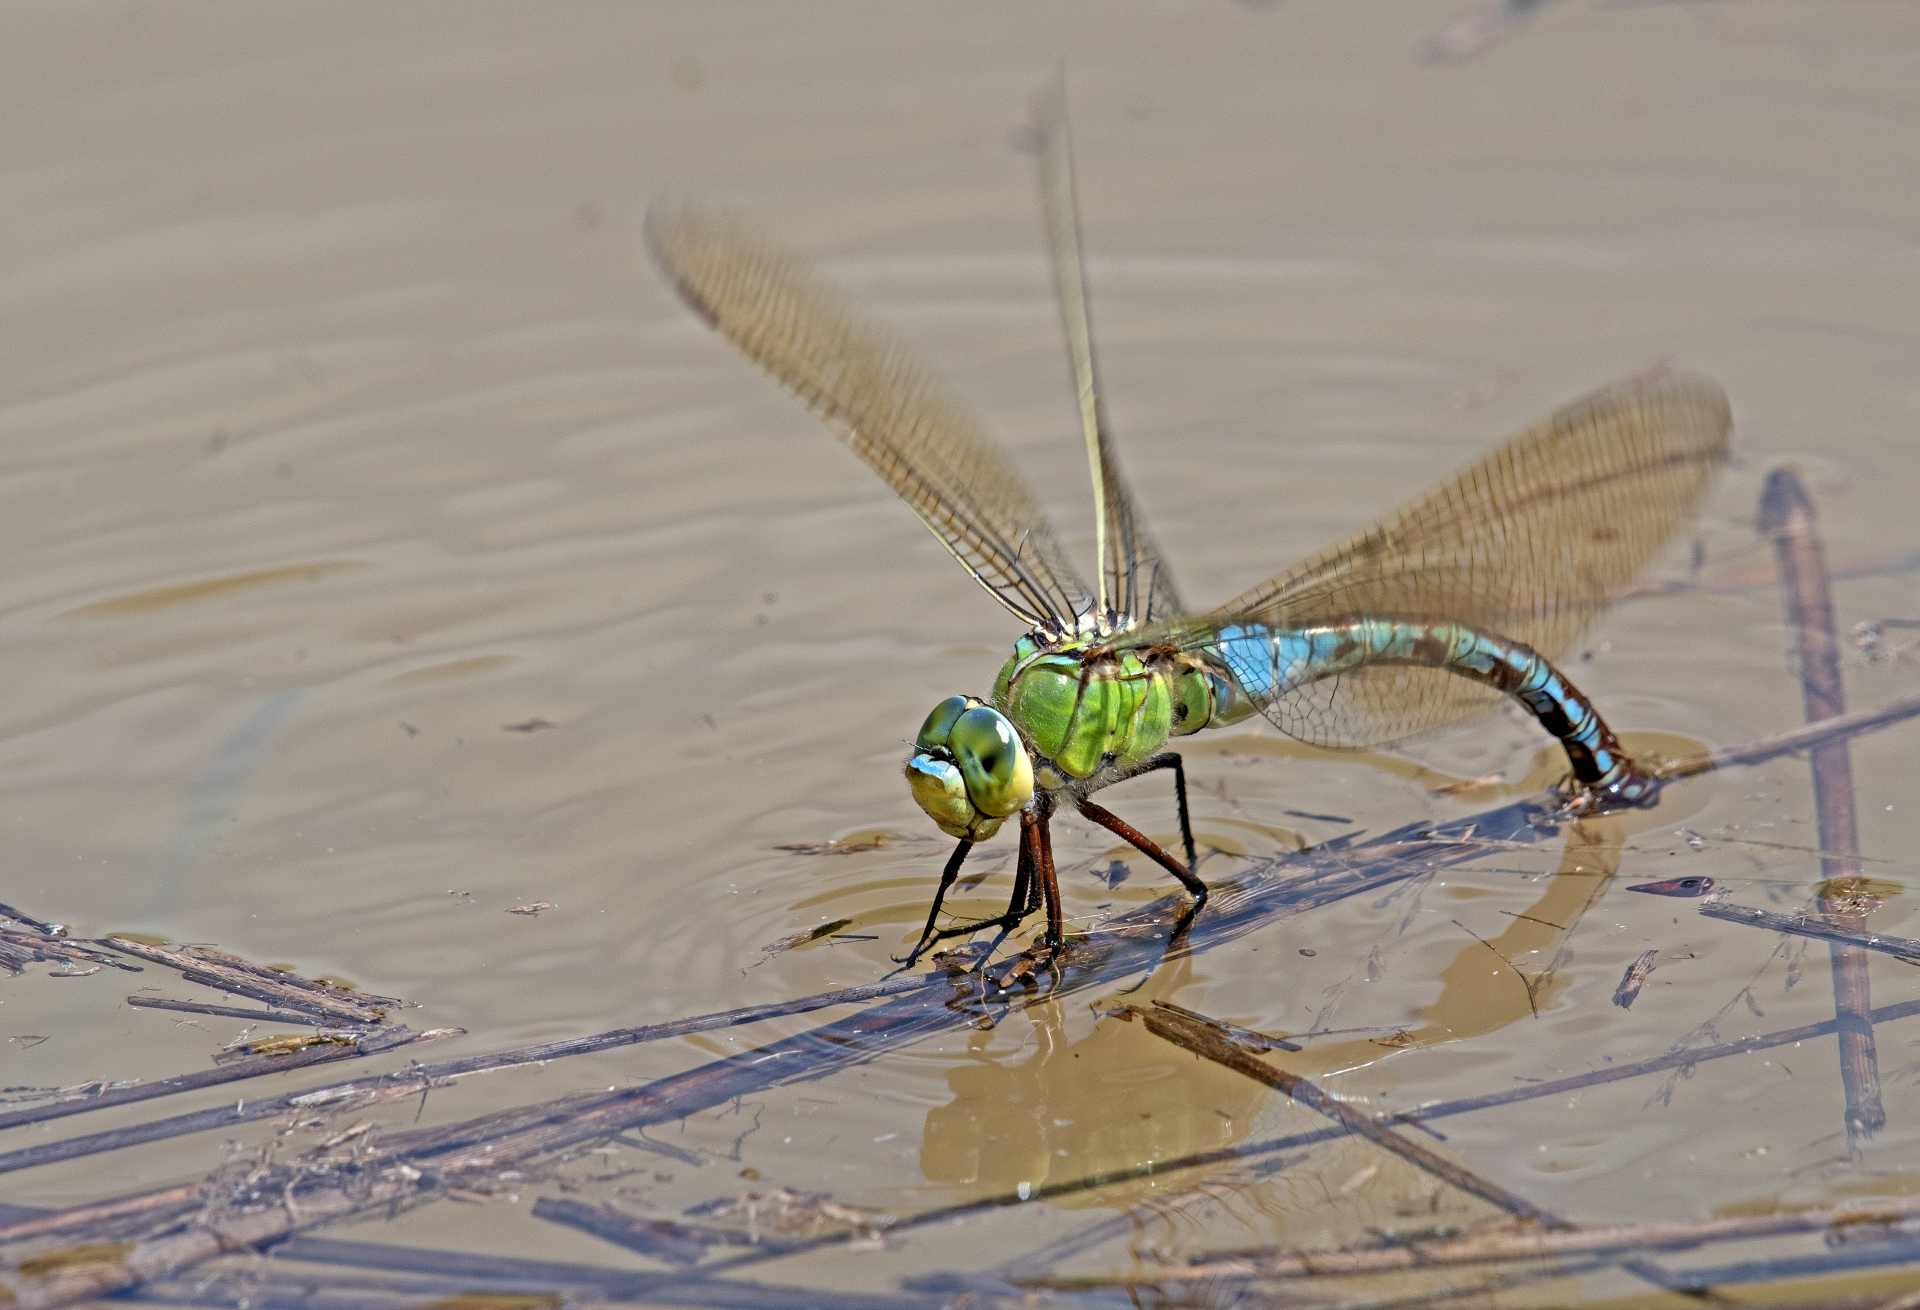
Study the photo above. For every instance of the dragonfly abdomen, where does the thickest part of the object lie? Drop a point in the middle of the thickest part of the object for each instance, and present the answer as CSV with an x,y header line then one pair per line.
x,y
1269,663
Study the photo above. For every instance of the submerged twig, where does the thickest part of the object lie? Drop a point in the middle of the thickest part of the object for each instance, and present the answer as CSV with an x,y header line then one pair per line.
x,y
1507,1242
1786,515
1437,1110
372,1042
1206,1041
1808,737
1904,949
243,1110
375,1041
651,1237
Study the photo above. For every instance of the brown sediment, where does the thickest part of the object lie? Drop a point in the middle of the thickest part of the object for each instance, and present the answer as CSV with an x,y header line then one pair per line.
x,y
1786,516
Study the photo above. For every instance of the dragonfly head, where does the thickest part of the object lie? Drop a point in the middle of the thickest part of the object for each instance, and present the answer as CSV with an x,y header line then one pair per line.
x,y
969,770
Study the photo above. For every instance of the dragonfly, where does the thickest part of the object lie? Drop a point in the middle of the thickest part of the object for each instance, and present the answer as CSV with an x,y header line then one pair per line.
x,y
1421,621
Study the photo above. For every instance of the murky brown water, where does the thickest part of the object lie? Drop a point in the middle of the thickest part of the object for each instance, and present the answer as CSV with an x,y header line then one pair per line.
x,y
346,428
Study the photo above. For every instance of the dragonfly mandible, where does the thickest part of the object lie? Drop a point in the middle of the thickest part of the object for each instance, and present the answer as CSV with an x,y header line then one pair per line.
x,y
1421,621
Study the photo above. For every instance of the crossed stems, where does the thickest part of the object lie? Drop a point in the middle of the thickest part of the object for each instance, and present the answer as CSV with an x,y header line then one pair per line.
x,y
1036,880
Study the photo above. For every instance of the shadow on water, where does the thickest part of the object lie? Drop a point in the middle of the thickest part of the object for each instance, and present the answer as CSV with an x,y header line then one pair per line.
x,y
210,803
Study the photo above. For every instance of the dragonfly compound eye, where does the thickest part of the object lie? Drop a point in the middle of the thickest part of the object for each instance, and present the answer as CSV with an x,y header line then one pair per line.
x,y
992,760
939,724
969,770
940,790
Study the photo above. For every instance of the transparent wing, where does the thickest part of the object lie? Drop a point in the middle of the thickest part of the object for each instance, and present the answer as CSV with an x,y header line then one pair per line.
x,y
1134,579
880,400
1533,542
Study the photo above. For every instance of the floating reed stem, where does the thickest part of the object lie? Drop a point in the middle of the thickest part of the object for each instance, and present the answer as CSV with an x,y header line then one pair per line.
x,y
1786,515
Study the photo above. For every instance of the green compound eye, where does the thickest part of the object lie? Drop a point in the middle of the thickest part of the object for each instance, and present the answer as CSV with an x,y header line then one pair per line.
x,y
939,789
998,775
939,723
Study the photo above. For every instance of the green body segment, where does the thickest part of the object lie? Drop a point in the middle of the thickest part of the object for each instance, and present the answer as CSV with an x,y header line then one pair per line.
x,y
1081,715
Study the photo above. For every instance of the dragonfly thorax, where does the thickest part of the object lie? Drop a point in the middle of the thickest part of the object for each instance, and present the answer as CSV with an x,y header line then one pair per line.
x,y
1087,704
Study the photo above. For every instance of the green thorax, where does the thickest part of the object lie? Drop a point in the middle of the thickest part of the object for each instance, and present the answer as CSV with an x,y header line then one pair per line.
x,y
1083,706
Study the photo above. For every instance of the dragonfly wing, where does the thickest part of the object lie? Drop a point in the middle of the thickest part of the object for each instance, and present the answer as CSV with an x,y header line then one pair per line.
x,y
1532,542
1134,579
879,399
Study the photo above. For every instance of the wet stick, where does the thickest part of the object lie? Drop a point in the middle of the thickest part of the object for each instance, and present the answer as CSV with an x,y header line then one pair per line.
x,y
85,1224
231,1012
19,949
1127,945
1212,1041
271,1289
1808,737
372,1043
1508,1242
406,1083
96,1222
1686,1059
378,1041
229,973
1205,1039
407,1164
1905,949
1786,516
650,1237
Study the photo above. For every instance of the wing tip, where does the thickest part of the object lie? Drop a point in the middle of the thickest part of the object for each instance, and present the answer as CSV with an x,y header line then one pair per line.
x,y
1699,400
666,225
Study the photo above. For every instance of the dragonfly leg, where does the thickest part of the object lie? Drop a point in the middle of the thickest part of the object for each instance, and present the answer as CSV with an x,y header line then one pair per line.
x,y
1171,760
1113,823
947,875
1047,876
1031,882
1026,889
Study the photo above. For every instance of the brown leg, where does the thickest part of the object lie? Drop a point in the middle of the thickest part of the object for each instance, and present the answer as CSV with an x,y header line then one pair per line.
x,y
1050,881
1113,823
1020,904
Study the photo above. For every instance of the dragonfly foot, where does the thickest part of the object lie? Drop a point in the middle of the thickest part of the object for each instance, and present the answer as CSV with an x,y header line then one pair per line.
x,y
1631,789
